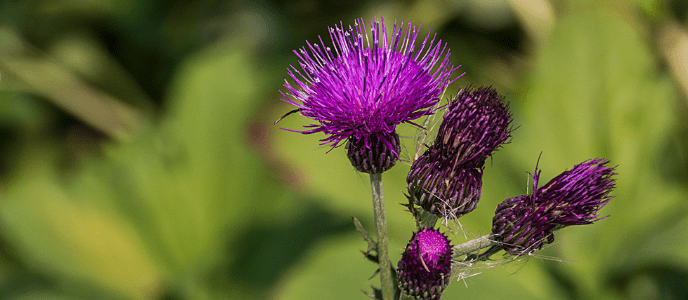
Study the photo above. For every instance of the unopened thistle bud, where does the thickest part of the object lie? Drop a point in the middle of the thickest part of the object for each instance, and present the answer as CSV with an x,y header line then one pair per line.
x,y
361,88
446,180
425,265
524,224
381,156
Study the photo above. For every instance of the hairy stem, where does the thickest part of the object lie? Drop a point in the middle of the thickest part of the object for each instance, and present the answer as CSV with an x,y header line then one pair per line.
x,y
473,246
386,282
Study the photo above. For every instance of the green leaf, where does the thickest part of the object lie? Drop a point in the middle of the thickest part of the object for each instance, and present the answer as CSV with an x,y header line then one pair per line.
x,y
55,235
372,245
596,92
335,269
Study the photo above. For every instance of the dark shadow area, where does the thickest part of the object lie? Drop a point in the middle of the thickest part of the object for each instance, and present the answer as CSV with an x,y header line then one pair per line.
x,y
265,253
673,158
308,19
26,284
655,280
679,9
470,44
564,282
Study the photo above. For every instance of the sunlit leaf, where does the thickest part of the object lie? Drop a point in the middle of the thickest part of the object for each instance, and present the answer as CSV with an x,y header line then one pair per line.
x,y
57,235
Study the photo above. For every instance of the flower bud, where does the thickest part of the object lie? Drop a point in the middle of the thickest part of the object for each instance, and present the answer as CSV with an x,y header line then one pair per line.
x,y
425,265
375,156
524,224
446,180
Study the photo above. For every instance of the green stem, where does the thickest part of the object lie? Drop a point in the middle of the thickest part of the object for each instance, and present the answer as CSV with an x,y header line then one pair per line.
x,y
426,219
386,283
473,246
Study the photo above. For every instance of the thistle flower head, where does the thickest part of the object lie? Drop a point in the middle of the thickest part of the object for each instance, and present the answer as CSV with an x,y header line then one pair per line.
x,y
446,180
365,85
524,224
425,265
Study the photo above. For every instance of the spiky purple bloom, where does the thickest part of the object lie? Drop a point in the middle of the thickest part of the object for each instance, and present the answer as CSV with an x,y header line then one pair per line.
x,y
425,265
524,224
365,85
446,180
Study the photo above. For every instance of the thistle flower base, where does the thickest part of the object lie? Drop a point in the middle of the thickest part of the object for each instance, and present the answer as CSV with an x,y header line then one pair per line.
x,y
375,156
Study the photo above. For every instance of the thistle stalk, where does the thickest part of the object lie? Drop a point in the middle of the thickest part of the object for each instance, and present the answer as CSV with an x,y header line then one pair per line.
x,y
386,283
473,246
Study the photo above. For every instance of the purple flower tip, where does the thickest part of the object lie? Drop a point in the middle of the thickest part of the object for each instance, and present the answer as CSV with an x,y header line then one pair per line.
x,y
446,180
524,224
367,84
425,265
477,122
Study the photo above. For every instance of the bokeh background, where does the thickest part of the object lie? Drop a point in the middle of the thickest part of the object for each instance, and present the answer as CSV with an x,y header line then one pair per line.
x,y
139,160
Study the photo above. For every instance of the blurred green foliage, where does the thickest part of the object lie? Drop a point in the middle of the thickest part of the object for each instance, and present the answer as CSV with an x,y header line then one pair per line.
x,y
139,161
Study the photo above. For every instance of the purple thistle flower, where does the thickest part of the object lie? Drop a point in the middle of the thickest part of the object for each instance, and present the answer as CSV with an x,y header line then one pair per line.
x,y
446,180
365,85
425,265
524,224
